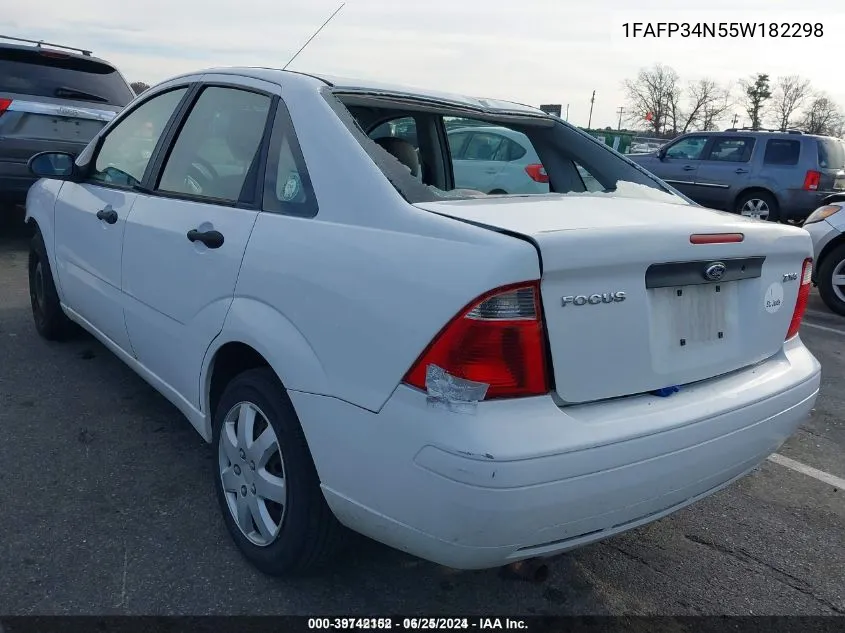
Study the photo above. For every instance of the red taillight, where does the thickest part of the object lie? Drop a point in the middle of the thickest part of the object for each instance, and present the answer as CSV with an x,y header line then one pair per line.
x,y
4,105
537,172
803,298
498,340
811,180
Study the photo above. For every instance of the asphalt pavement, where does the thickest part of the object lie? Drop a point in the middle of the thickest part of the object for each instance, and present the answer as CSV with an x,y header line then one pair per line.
x,y
107,507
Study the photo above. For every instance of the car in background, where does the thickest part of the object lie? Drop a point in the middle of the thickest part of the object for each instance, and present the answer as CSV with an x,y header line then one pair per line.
x,y
54,98
496,160
776,176
826,226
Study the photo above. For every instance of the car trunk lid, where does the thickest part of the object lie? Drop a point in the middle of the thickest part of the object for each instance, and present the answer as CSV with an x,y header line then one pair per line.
x,y
671,325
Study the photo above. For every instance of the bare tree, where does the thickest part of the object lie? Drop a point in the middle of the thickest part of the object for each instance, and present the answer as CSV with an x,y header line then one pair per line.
x,y
654,92
139,86
757,93
790,93
715,110
707,101
822,116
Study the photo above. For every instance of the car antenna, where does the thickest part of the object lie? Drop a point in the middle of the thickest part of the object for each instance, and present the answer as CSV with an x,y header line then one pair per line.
x,y
314,35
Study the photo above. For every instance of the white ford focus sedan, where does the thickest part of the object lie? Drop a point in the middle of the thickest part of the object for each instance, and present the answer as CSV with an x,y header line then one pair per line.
x,y
367,343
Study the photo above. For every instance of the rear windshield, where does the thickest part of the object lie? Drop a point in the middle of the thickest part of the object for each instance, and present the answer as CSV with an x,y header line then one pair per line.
x,y
66,77
431,153
831,154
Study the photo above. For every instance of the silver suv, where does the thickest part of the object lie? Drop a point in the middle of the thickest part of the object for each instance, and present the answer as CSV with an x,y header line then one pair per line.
x,y
52,98
779,176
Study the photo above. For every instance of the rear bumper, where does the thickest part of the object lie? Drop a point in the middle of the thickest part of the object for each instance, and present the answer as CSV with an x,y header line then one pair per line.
x,y
521,479
797,204
15,181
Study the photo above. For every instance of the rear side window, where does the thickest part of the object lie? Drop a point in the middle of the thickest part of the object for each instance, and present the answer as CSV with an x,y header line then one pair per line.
x,y
287,185
782,152
831,154
731,149
44,74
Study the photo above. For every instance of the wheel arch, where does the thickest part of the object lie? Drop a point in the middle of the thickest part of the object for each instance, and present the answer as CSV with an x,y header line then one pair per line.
x,y
754,188
256,335
836,242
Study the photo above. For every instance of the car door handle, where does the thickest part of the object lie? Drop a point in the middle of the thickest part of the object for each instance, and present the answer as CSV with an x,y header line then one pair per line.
x,y
688,167
741,171
107,215
212,239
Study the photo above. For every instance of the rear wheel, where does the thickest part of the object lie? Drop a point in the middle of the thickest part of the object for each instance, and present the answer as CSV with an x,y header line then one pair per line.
x,y
266,481
758,204
50,320
831,280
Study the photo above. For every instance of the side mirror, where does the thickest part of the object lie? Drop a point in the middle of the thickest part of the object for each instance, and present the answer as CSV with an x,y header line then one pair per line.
x,y
52,165
661,153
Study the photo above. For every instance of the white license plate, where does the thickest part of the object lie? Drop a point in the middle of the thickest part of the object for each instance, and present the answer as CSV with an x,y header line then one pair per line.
x,y
688,316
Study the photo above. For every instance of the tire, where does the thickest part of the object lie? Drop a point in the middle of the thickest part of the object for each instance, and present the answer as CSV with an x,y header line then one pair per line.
x,y
305,534
51,322
760,199
832,264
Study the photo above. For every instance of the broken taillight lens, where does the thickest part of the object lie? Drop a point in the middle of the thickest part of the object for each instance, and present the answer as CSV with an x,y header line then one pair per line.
x,y
498,340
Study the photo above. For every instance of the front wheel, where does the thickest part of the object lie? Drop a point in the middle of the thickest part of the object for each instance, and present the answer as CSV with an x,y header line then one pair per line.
x,y
266,481
758,204
831,280
49,318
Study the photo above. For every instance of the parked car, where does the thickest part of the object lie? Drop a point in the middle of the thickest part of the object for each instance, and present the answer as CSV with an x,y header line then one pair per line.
x,y
496,160
826,226
777,176
473,380
52,97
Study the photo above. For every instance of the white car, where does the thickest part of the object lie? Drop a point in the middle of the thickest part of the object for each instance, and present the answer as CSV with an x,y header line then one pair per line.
x,y
826,226
474,380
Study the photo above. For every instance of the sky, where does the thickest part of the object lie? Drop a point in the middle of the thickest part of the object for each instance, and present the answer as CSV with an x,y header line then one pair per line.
x,y
528,51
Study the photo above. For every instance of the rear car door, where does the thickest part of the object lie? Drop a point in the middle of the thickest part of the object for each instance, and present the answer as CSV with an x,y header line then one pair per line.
x,y
186,237
90,216
724,171
51,101
477,167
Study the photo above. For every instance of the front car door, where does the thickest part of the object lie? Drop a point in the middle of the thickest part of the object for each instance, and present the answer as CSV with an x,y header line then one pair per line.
x,y
724,171
477,167
185,239
90,217
679,164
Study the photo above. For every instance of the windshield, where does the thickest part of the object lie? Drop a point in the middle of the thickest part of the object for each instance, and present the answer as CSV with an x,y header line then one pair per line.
x,y
831,154
43,74
431,153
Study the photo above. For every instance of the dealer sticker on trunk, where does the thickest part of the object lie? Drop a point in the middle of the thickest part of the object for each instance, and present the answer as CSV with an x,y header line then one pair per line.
x,y
774,298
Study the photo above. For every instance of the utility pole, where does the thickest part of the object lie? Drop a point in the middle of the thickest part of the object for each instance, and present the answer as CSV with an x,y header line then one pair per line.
x,y
621,110
736,117
592,101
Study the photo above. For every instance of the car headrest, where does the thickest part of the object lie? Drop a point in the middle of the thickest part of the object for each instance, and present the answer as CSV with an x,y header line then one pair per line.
x,y
403,151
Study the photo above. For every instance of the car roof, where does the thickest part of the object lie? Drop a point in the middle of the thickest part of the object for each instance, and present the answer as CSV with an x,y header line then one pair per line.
x,y
371,87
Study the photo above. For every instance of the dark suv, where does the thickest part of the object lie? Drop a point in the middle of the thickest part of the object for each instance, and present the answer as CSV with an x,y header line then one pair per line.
x,y
779,176
51,98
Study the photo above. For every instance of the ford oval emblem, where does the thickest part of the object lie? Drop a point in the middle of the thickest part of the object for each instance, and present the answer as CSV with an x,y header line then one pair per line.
x,y
715,271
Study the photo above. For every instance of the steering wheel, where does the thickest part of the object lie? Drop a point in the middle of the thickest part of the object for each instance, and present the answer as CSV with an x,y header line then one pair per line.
x,y
201,175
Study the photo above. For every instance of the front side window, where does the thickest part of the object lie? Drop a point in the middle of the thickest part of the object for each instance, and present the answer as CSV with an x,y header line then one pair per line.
x,y
731,150
689,148
128,147
217,145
